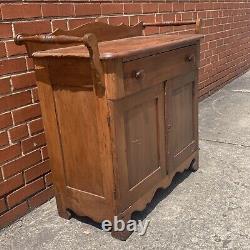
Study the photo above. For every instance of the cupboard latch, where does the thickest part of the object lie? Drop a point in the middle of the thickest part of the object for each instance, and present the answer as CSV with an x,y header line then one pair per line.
x,y
165,88
115,193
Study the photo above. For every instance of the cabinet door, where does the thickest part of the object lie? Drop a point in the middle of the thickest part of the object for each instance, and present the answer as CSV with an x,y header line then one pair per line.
x,y
139,143
181,119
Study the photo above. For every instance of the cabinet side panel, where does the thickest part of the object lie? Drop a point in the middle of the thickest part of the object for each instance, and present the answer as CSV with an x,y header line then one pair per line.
x,y
77,121
47,103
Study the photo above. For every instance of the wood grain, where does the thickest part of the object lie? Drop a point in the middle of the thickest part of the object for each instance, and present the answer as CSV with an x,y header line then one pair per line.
x,y
127,48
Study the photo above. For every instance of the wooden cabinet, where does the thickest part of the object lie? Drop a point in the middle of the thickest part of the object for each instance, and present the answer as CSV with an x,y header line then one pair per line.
x,y
120,119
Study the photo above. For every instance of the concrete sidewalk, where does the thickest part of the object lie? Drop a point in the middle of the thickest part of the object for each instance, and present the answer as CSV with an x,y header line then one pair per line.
x,y
209,209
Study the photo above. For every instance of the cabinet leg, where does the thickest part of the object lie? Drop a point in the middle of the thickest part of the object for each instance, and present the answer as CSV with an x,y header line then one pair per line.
x,y
64,214
62,211
194,166
122,235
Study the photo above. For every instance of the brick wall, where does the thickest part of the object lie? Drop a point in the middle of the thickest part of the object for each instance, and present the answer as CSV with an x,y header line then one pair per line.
x,y
25,179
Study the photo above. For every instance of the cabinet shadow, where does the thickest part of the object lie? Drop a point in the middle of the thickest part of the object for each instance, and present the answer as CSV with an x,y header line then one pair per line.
x,y
159,195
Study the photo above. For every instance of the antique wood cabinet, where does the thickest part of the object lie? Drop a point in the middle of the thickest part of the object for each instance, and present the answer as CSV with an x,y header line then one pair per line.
x,y
118,133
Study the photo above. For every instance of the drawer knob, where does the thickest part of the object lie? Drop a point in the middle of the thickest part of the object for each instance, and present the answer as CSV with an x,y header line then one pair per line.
x,y
190,58
139,74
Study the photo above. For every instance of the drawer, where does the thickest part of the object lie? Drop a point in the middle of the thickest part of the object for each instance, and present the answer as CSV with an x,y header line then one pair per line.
x,y
145,72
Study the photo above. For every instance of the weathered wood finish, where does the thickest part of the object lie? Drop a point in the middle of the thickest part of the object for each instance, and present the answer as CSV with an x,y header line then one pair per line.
x,y
157,68
102,31
138,135
110,153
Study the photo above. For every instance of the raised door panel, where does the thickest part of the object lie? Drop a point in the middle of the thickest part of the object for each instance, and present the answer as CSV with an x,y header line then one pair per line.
x,y
142,143
139,140
181,120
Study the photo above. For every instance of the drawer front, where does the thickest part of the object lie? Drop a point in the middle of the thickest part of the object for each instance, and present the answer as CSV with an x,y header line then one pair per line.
x,y
145,72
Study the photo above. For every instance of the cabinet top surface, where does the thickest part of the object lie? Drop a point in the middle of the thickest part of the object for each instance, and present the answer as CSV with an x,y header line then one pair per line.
x,y
126,48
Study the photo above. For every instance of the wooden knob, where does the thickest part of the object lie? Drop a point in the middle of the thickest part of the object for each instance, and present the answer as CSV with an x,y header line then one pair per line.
x,y
139,74
190,58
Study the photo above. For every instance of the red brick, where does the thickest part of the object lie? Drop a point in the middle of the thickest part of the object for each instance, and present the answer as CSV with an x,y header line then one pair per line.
x,y
14,101
165,7
31,10
11,184
2,50
36,171
51,9
87,9
5,85
4,140
18,133
35,95
5,30
36,126
13,214
45,153
34,142
158,17
30,63
168,17
8,66
189,6
187,16
3,206
132,8
21,163
200,6
111,8
133,20
59,24
10,153
24,192
48,179
178,7
150,8
32,27
5,120
14,11
13,49
118,20
178,17
147,18
41,197
26,113
23,81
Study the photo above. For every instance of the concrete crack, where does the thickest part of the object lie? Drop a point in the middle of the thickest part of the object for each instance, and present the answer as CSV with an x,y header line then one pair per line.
x,y
223,142
242,90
